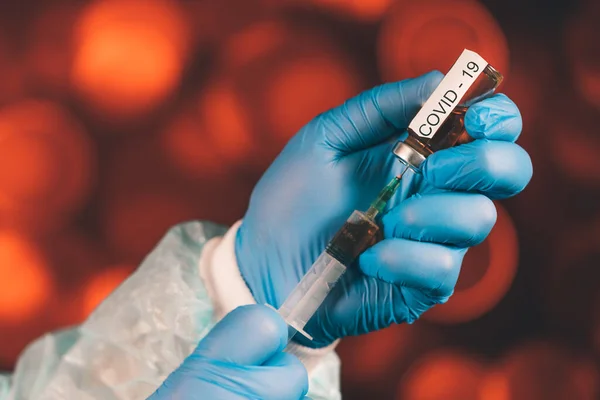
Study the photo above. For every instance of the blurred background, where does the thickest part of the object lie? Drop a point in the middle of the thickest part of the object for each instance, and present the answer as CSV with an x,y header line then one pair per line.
x,y
120,118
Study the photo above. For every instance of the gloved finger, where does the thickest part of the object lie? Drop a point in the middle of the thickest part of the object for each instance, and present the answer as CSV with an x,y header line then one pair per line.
x,y
360,304
296,374
420,265
281,377
375,115
495,118
458,219
249,335
495,168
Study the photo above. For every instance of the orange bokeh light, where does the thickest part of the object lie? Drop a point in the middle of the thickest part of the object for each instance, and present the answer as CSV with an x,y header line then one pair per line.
x,y
301,88
376,357
226,121
25,281
271,80
135,222
584,53
286,75
443,374
29,167
211,21
213,134
487,273
541,371
254,42
417,37
494,386
46,164
190,149
102,285
364,10
129,54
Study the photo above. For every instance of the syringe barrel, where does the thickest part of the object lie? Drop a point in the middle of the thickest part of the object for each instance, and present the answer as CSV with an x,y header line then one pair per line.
x,y
357,234
312,290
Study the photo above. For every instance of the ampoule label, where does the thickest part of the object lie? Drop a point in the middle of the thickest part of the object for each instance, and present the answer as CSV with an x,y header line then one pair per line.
x,y
448,94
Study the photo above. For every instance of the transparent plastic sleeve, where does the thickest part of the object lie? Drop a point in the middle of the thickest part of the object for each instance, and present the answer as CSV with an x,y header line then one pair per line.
x,y
138,335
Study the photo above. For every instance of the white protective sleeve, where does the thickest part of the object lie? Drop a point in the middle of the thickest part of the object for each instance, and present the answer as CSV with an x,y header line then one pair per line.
x,y
4,385
228,290
144,330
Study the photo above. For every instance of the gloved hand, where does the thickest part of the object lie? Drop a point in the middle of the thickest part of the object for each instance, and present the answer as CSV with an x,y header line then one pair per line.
x,y
338,163
240,358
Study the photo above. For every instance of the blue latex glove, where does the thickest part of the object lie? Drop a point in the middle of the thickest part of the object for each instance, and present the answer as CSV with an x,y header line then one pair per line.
x,y
338,163
240,358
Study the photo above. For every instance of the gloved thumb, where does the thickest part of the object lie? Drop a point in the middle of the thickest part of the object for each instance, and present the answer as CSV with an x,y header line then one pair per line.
x,y
249,335
240,358
377,114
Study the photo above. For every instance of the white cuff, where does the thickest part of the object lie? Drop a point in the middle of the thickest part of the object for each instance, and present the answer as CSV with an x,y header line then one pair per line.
x,y
221,275
228,290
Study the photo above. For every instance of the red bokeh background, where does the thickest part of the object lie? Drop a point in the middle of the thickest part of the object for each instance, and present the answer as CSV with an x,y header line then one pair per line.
x,y
121,118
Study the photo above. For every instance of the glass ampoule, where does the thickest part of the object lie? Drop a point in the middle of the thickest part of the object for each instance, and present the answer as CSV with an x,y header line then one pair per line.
x,y
426,138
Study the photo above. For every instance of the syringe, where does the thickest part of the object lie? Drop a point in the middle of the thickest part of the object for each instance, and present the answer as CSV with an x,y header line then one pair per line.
x,y
358,233
439,124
